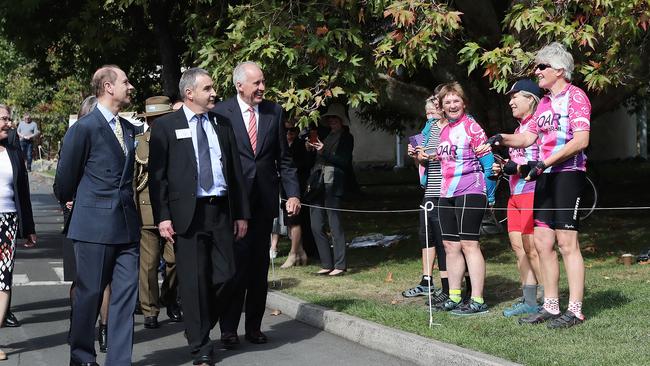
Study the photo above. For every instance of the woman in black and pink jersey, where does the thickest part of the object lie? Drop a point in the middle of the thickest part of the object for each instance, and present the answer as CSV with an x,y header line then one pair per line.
x,y
560,125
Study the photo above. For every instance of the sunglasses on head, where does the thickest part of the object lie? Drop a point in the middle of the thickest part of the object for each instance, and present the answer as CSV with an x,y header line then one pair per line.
x,y
542,67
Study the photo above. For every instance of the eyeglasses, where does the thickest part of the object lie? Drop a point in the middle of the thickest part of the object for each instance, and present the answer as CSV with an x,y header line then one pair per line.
x,y
542,67
5,119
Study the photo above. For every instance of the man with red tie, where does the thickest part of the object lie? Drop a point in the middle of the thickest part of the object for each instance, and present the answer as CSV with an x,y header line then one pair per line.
x,y
264,154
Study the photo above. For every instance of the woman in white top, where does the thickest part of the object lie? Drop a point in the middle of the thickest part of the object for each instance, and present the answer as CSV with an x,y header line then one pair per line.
x,y
16,219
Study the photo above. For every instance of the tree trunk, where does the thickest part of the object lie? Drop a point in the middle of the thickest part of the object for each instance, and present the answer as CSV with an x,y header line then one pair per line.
x,y
160,11
642,129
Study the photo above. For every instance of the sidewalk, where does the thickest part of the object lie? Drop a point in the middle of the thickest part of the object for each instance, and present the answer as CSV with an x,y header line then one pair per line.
x,y
305,334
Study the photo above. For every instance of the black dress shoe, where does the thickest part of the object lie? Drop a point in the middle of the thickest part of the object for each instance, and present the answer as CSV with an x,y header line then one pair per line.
x,y
151,322
256,337
102,337
203,360
10,320
229,340
174,313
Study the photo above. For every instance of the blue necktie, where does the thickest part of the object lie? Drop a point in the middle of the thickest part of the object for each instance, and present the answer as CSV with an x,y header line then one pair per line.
x,y
205,163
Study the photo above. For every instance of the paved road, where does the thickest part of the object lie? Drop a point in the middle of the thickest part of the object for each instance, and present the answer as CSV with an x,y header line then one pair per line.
x,y
41,302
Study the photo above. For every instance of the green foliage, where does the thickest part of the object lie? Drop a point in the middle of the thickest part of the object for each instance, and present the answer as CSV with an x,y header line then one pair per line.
x,y
311,52
53,115
23,88
314,52
606,37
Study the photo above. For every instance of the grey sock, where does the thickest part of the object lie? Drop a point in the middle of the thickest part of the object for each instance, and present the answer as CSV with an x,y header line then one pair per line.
x,y
530,295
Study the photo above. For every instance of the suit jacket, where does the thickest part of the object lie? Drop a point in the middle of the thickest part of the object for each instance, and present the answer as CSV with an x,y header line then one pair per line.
x,y
21,188
95,173
271,163
173,172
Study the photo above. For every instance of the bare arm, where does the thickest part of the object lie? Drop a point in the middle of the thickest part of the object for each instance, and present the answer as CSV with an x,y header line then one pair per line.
x,y
520,140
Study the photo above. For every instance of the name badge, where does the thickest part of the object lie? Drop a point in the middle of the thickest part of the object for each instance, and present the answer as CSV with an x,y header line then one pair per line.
x,y
184,133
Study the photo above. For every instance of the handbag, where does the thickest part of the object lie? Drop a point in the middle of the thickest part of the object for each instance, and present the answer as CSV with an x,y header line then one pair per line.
x,y
315,186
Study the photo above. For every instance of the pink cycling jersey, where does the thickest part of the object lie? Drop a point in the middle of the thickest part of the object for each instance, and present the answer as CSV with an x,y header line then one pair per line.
x,y
461,170
555,121
522,156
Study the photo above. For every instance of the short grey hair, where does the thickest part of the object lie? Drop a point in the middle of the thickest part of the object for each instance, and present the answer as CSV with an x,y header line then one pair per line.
x,y
239,73
556,55
188,80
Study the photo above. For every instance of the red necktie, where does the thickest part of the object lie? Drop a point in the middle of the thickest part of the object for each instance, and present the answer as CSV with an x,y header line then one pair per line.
x,y
252,129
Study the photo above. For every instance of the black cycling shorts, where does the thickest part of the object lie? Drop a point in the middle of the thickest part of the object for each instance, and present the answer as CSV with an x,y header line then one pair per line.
x,y
557,199
435,236
460,217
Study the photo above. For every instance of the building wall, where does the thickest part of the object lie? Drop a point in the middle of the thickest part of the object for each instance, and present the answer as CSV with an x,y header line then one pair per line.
x,y
613,136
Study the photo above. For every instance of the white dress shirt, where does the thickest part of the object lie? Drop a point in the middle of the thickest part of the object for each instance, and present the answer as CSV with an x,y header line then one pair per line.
x,y
219,187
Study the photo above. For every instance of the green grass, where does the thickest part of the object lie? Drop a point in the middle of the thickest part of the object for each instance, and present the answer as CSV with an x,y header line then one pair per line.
x,y
617,330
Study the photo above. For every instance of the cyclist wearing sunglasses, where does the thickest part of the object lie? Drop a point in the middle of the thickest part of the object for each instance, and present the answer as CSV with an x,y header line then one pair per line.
x,y
560,125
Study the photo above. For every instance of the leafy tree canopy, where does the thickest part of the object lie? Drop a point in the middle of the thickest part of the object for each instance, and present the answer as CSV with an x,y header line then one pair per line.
x,y
349,50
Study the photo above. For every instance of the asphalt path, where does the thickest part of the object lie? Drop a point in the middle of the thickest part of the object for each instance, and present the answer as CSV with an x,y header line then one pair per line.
x,y
40,301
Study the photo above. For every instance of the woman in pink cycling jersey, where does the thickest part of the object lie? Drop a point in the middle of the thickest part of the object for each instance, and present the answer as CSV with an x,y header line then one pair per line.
x,y
562,122
524,97
463,199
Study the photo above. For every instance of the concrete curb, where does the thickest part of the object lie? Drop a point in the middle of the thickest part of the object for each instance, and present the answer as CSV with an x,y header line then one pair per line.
x,y
407,346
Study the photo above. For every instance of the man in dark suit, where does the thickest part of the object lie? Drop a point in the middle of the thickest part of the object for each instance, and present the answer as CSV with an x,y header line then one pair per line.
x,y
262,143
96,171
197,191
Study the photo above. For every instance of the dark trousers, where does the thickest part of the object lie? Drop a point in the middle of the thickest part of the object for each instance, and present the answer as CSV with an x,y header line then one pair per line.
x,y
204,261
150,251
27,146
249,287
318,217
97,266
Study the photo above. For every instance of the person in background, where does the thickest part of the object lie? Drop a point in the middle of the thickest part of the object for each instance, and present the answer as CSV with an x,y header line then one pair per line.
x,y
301,159
334,159
27,132
431,181
560,126
464,195
11,321
16,219
524,97
150,243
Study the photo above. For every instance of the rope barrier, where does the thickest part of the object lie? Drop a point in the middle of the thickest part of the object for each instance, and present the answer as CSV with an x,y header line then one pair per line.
x,y
633,208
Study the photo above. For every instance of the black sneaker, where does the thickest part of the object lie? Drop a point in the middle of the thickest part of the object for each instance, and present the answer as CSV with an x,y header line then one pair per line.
x,y
567,320
471,308
419,290
538,318
448,305
437,298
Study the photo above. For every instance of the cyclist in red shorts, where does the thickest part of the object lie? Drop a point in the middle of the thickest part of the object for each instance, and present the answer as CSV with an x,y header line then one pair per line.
x,y
524,97
560,125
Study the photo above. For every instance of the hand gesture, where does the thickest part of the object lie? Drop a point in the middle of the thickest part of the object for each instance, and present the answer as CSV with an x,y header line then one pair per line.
x,y
166,230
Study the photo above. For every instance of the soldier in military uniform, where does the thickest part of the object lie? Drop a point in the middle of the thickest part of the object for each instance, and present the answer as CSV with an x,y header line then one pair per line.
x,y
150,244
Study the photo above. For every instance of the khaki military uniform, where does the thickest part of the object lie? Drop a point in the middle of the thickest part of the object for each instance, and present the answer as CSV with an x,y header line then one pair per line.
x,y
150,242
